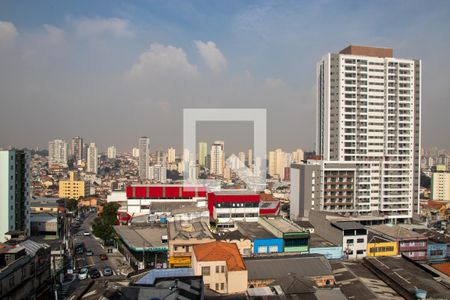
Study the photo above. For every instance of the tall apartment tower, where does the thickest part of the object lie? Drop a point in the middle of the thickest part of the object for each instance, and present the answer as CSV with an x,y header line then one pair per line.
x,y
202,153
368,113
144,157
15,192
112,152
171,155
76,148
57,152
92,159
217,158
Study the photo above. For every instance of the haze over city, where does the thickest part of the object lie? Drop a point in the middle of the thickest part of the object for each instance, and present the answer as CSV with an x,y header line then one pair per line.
x,y
114,71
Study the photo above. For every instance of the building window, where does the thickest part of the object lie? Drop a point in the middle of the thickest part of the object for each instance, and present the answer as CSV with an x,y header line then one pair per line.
x,y
436,252
223,269
360,252
360,241
206,271
350,241
217,286
222,286
207,286
217,269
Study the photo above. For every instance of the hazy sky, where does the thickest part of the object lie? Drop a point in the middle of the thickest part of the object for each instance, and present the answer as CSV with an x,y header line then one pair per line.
x,y
111,71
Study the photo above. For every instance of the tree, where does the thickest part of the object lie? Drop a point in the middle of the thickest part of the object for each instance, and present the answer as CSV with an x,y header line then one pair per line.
x,y
102,230
109,214
102,226
71,204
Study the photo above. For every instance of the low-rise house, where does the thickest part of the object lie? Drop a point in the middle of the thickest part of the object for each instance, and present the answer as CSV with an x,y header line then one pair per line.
x,y
182,236
378,246
46,205
410,244
294,238
438,247
350,235
221,266
44,224
243,243
263,241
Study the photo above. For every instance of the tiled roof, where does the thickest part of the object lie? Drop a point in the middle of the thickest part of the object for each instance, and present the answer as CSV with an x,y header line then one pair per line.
x,y
220,251
444,268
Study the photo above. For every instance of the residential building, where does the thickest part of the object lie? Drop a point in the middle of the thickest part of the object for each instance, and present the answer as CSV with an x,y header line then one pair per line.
x,y
202,153
298,155
217,158
57,153
15,191
25,271
171,155
74,188
144,157
379,246
112,152
157,173
92,159
182,236
350,235
294,238
135,152
368,113
46,205
440,183
410,244
221,266
250,158
244,244
76,149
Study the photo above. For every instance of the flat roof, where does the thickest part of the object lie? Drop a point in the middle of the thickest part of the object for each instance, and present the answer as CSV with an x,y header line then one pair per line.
x,y
195,229
348,225
282,224
368,51
279,266
234,192
316,240
140,238
254,230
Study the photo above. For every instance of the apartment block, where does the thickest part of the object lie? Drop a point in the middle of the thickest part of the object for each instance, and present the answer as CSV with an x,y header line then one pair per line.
x,y
440,183
74,188
368,113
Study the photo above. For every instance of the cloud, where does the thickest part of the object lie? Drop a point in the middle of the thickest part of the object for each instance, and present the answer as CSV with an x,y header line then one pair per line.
x,y
8,33
54,35
161,60
274,83
97,26
212,56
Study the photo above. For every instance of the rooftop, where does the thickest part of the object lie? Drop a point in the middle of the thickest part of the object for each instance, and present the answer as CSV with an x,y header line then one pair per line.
x,y
229,235
254,230
282,224
277,267
196,229
434,236
348,225
396,232
220,251
444,268
368,51
316,240
142,238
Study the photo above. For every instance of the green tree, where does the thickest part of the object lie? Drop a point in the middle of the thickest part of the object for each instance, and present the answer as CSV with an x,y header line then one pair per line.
x,y
102,226
71,204
103,231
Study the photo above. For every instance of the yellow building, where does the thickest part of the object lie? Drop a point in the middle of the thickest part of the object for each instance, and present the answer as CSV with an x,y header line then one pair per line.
x,y
440,184
383,248
73,188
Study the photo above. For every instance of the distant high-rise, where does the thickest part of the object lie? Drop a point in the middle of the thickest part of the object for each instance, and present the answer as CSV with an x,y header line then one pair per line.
x,y
272,163
135,152
15,194
369,106
298,155
171,155
57,153
202,152
144,157
241,157
92,159
158,173
250,158
217,158
112,152
76,149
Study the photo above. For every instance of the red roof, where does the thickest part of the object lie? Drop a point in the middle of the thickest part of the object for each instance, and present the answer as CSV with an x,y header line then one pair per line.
x,y
444,268
220,251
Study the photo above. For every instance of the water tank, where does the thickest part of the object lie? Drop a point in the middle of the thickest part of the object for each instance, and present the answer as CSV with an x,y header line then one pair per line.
x,y
421,294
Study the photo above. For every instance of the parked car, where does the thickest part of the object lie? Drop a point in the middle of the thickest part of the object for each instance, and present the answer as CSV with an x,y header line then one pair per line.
x,y
107,271
103,256
83,273
94,273
86,233
89,253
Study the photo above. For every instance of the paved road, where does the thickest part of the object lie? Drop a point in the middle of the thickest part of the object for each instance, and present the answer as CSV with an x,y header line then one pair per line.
x,y
91,244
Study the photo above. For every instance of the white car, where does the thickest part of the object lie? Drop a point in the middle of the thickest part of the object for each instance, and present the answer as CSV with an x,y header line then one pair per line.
x,y
83,273
86,233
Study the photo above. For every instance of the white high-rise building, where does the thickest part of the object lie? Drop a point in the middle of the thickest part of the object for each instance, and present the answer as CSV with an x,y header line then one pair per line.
x,y
57,153
368,113
158,173
171,155
135,152
15,194
272,163
92,159
217,158
144,157
241,156
112,152
250,158
76,149
202,153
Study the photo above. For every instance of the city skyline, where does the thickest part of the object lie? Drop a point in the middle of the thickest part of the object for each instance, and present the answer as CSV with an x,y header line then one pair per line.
x,y
225,65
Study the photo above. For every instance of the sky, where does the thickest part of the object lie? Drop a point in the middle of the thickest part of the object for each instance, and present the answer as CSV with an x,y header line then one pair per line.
x,y
111,71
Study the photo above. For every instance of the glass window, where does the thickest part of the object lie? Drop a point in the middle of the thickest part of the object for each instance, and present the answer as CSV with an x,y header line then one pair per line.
x,y
206,271
360,252
217,286
360,241
350,241
222,286
217,269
